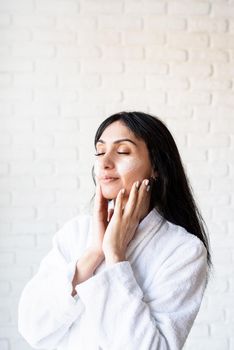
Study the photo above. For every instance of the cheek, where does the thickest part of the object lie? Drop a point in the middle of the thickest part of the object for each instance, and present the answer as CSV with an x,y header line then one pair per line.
x,y
127,166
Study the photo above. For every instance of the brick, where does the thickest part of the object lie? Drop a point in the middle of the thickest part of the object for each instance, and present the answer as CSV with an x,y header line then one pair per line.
x,y
226,183
61,213
34,80
123,52
224,125
62,140
5,139
11,124
14,35
57,66
214,343
16,182
4,51
4,168
65,125
16,65
226,98
5,198
68,167
158,53
33,50
45,110
101,6
211,84
101,96
4,344
12,5
79,52
56,182
211,25
32,20
163,23
11,93
79,81
54,7
223,10
76,109
128,81
19,241
166,111
4,19
214,112
47,94
154,82
70,198
32,198
224,70
31,168
5,79
23,257
223,41
188,40
33,226
14,273
147,37
53,36
144,7
62,153
209,55
147,67
32,139
93,66
76,22
121,22
192,8
6,258
11,213
200,71
147,96
7,153
193,98
4,289
101,37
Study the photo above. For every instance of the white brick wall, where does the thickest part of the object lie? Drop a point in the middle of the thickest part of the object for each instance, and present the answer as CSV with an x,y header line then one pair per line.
x,y
64,67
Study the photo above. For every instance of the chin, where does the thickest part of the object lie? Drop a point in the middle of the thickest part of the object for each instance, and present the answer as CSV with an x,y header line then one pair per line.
x,y
110,194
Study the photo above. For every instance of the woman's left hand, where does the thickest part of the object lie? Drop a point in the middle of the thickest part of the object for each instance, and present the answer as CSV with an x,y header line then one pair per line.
x,y
125,221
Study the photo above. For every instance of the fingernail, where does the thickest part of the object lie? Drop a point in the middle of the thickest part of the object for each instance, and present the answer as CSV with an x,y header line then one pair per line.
x,y
146,182
123,191
137,184
148,188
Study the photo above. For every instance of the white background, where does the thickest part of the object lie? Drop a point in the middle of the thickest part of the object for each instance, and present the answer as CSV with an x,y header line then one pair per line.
x,y
67,65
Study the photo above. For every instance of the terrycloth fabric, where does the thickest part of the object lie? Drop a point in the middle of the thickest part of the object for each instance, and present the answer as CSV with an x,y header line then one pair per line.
x,y
148,302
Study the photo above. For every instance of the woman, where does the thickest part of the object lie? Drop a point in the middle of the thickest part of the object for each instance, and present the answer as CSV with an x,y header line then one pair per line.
x,y
131,277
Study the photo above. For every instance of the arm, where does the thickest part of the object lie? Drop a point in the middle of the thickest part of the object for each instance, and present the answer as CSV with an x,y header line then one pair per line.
x,y
46,307
124,317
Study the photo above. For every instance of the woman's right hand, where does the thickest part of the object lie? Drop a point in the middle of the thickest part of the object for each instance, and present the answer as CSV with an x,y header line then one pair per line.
x,y
101,217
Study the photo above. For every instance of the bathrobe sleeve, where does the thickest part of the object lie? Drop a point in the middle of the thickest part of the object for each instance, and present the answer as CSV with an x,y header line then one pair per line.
x,y
124,318
46,308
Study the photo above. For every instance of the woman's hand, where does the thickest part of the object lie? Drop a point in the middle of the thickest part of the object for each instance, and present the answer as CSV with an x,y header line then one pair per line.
x,y
124,222
101,217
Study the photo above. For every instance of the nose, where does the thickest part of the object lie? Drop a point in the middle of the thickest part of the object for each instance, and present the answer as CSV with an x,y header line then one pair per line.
x,y
106,161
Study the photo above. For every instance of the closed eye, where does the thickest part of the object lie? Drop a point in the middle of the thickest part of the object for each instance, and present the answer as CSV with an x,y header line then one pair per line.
x,y
99,154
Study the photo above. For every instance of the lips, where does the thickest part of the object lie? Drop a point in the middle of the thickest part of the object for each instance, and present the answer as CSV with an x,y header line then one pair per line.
x,y
108,178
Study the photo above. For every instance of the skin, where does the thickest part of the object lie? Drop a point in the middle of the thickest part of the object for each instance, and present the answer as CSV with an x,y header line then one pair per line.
x,y
115,230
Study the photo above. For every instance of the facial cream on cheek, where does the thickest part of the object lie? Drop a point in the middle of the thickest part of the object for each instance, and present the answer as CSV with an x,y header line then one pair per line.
x,y
127,166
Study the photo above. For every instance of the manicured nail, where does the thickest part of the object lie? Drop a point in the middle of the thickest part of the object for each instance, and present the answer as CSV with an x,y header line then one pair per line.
x,y
146,182
148,188
123,191
137,184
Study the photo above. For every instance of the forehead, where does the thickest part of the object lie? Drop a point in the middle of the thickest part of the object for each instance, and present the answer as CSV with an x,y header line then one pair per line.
x,y
117,130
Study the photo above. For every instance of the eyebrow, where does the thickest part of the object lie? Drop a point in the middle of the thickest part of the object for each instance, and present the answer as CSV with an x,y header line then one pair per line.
x,y
118,141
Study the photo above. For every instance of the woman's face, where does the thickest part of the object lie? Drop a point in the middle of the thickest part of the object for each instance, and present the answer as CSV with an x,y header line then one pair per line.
x,y
122,169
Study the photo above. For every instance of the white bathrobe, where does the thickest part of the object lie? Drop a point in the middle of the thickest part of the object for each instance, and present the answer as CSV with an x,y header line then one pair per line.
x,y
148,302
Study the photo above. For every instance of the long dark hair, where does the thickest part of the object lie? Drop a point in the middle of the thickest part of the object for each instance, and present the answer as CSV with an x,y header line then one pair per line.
x,y
171,192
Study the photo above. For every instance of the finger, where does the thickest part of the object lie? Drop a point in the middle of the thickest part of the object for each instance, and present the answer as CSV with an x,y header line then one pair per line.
x,y
143,195
132,199
119,203
110,213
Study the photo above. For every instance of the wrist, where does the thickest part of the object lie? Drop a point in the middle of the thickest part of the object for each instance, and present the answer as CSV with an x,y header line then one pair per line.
x,y
114,258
